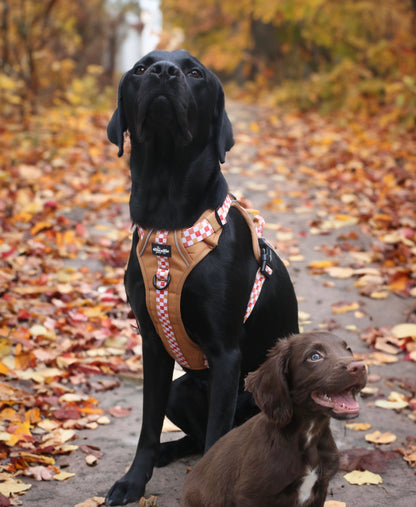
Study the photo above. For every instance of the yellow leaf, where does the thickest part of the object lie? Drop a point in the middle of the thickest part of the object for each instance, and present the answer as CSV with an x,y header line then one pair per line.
x,y
380,438
321,264
63,476
339,272
358,426
404,331
39,227
12,487
391,405
344,307
366,477
379,294
37,458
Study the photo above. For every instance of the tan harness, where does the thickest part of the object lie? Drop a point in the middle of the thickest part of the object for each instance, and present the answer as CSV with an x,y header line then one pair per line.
x,y
167,257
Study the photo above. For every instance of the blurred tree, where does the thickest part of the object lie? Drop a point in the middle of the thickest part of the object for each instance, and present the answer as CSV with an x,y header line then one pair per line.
x,y
332,45
44,44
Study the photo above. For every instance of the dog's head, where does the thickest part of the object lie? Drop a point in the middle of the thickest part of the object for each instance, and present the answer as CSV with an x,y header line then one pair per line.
x,y
173,94
312,373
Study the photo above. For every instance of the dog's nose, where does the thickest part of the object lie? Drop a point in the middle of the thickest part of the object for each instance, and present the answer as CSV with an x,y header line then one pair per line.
x,y
164,69
357,367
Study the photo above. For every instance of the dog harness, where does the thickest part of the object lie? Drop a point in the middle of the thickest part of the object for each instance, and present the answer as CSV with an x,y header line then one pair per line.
x,y
167,257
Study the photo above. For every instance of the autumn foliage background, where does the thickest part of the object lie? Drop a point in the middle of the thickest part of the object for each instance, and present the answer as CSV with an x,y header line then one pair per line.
x,y
339,81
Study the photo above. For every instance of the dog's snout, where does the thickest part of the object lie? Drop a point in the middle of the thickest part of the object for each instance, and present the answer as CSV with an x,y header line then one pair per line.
x,y
164,69
357,367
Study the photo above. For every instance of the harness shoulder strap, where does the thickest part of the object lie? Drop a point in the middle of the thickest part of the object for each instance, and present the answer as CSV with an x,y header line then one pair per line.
x,y
251,225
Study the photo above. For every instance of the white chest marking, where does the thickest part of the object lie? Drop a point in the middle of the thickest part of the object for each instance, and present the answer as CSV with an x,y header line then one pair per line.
x,y
309,435
308,483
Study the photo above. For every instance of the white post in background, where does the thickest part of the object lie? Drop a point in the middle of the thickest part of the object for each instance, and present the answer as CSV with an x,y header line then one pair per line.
x,y
142,34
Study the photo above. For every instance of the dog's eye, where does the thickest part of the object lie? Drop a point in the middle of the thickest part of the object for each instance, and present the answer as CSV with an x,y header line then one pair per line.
x,y
140,69
315,356
195,73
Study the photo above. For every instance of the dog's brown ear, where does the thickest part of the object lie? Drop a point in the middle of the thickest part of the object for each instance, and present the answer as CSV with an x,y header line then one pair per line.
x,y
269,385
118,124
223,128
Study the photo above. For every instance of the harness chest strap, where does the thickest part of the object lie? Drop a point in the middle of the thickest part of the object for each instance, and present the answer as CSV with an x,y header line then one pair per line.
x,y
166,258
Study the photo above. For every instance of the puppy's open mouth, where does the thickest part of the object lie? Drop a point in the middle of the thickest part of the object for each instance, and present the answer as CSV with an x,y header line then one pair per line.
x,y
343,404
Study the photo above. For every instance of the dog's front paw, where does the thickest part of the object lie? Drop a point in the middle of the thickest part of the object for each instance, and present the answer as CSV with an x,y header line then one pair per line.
x,y
124,491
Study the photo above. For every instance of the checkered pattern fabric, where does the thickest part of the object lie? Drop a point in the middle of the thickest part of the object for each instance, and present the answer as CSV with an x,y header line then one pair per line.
x,y
198,232
259,225
162,301
203,229
255,291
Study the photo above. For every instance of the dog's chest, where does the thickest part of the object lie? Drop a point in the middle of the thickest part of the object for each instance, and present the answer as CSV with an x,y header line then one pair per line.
x,y
313,465
309,480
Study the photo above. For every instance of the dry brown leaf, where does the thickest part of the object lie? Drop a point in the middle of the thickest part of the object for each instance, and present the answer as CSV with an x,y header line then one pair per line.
x,y
118,411
95,501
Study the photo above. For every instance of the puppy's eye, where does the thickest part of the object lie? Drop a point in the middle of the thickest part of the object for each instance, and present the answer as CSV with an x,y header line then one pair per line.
x,y
315,356
195,73
140,69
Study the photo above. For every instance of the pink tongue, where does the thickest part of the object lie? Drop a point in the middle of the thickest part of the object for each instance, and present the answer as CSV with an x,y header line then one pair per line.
x,y
345,401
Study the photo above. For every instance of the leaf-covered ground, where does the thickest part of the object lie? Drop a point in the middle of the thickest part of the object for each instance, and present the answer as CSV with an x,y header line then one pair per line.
x,y
65,329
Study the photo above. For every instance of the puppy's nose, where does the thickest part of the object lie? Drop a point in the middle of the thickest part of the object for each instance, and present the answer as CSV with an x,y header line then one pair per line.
x,y
357,367
164,69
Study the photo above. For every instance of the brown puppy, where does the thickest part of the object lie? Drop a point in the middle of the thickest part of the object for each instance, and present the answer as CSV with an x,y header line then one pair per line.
x,y
286,455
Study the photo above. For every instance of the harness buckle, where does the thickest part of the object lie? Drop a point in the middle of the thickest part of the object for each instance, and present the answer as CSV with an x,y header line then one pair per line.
x,y
265,259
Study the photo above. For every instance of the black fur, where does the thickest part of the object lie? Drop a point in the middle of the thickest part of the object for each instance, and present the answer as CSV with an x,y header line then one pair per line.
x,y
173,108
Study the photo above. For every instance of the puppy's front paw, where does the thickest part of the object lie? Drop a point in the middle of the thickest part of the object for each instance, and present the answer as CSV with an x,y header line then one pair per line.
x,y
124,491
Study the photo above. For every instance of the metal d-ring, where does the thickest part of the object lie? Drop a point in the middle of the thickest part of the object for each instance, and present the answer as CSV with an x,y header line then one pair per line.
x,y
160,288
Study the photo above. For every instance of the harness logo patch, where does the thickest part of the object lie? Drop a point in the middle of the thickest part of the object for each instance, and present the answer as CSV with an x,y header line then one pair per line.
x,y
161,250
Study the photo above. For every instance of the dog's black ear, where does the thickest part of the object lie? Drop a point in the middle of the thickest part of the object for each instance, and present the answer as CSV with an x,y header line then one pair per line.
x,y
223,128
269,386
118,124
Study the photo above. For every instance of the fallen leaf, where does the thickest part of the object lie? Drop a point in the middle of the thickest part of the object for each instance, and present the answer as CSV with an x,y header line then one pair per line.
x,y
168,426
374,460
118,411
391,405
334,503
381,438
95,501
148,502
344,307
91,460
63,476
404,331
339,272
358,426
11,487
365,477
40,473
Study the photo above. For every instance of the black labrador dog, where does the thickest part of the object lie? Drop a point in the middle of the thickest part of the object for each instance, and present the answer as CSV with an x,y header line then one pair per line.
x,y
173,108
